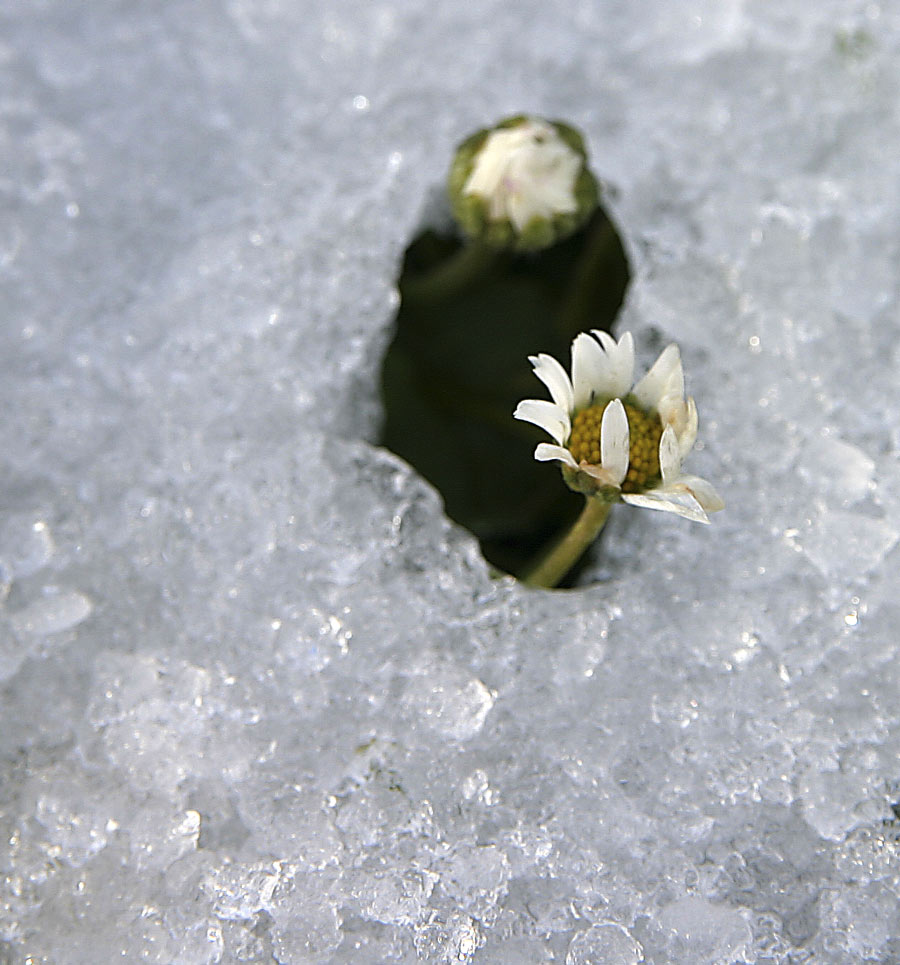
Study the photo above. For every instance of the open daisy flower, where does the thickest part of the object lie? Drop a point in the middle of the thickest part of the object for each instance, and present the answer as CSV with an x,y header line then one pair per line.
x,y
617,440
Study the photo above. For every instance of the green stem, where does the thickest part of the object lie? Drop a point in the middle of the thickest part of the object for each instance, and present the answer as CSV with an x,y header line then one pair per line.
x,y
465,266
554,566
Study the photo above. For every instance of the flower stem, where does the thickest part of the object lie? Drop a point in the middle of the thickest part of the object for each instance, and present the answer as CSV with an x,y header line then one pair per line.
x,y
554,566
465,266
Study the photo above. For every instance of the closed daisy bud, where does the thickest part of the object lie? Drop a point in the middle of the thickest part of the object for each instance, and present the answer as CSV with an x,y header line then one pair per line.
x,y
522,185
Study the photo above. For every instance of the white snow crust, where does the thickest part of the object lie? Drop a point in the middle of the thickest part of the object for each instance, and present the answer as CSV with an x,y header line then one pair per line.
x,y
259,700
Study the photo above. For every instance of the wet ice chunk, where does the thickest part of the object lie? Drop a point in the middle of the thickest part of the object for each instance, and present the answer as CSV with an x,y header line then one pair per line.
x,y
845,545
52,613
26,544
604,942
837,470
707,934
450,704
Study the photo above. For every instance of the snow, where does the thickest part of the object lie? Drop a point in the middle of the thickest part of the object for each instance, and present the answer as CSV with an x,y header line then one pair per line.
x,y
259,700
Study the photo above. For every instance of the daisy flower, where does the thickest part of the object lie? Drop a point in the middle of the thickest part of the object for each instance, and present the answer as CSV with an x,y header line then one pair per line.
x,y
615,439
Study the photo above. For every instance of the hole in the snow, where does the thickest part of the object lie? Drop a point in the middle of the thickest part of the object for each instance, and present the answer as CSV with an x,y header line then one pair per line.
x,y
458,365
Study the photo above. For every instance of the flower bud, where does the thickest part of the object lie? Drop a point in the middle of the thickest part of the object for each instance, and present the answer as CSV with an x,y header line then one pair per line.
x,y
522,185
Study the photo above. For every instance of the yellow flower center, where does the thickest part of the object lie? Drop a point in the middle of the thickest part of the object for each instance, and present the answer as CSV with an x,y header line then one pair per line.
x,y
644,430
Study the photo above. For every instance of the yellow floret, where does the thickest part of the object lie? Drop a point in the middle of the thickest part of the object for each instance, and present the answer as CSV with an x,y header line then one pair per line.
x,y
645,431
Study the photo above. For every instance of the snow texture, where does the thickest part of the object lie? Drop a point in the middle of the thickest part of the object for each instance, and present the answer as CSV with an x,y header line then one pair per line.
x,y
261,702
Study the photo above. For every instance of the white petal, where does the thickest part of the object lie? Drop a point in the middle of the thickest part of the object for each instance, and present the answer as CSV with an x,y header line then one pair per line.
x,y
702,491
687,436
620,356
554,376
546,415
675,379
614,441
546,453
605,339
687,496
601,367
601,474
664,378
669,455
589,370
681,415
682,504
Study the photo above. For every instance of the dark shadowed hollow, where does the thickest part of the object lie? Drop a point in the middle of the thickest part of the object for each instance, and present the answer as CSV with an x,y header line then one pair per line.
x,y
458,365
